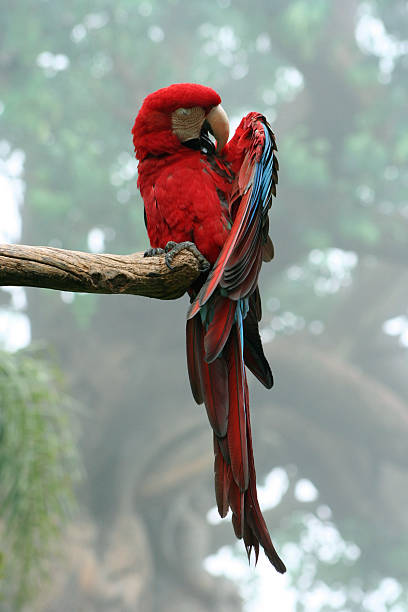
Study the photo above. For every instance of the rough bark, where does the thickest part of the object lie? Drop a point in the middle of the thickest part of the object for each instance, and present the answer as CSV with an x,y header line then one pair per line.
x,y
52,268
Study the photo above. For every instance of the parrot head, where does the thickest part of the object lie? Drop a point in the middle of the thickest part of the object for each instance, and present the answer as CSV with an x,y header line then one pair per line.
x,y
175,115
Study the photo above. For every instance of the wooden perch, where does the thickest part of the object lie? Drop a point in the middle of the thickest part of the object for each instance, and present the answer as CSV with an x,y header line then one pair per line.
x,y
52,268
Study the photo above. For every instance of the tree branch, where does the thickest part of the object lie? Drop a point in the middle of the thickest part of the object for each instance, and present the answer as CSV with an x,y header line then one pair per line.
x,y
52,268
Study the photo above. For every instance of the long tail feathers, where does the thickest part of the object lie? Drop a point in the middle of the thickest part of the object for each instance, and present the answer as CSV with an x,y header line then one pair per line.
x,y
222,385
209,381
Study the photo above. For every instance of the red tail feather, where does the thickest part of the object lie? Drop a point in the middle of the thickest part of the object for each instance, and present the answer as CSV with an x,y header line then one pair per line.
x,y
223,386
236,501
236,432
254,515
222,472
219,328
193,342
214,384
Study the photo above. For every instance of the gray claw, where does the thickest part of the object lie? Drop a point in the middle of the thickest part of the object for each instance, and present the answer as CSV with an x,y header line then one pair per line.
x,y
153,252
172,248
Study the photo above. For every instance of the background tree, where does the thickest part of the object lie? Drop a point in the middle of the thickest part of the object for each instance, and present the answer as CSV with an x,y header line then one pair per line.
x,y
332,79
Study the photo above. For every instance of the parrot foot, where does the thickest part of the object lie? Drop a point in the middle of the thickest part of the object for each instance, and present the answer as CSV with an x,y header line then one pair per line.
x,y
172,248
153,252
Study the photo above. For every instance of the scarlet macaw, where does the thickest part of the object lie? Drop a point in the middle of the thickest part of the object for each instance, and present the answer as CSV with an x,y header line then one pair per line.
x,y
215,199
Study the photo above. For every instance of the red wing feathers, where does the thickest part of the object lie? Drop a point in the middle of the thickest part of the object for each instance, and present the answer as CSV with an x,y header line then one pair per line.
x,y
237,267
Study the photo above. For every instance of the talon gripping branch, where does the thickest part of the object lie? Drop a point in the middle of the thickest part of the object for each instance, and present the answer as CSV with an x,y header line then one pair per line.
x,y
216,196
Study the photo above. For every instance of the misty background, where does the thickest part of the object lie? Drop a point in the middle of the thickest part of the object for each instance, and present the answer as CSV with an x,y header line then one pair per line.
x,y
121,427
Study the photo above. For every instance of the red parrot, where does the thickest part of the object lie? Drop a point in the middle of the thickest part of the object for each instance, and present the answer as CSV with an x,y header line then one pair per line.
x,y
214,199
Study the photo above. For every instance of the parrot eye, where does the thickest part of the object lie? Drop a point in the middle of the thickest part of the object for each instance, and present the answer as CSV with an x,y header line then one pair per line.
x,y
183,111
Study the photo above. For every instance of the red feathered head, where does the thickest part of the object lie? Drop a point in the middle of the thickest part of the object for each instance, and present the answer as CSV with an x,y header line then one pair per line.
x,y
153,132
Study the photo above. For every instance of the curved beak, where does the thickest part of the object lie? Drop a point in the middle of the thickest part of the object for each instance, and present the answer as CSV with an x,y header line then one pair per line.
x,y
218,119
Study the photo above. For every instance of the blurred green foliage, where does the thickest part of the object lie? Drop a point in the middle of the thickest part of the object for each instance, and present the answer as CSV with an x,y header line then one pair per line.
x,y
39,466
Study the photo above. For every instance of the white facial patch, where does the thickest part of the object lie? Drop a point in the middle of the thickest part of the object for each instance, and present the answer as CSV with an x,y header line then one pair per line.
x,y
187,122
